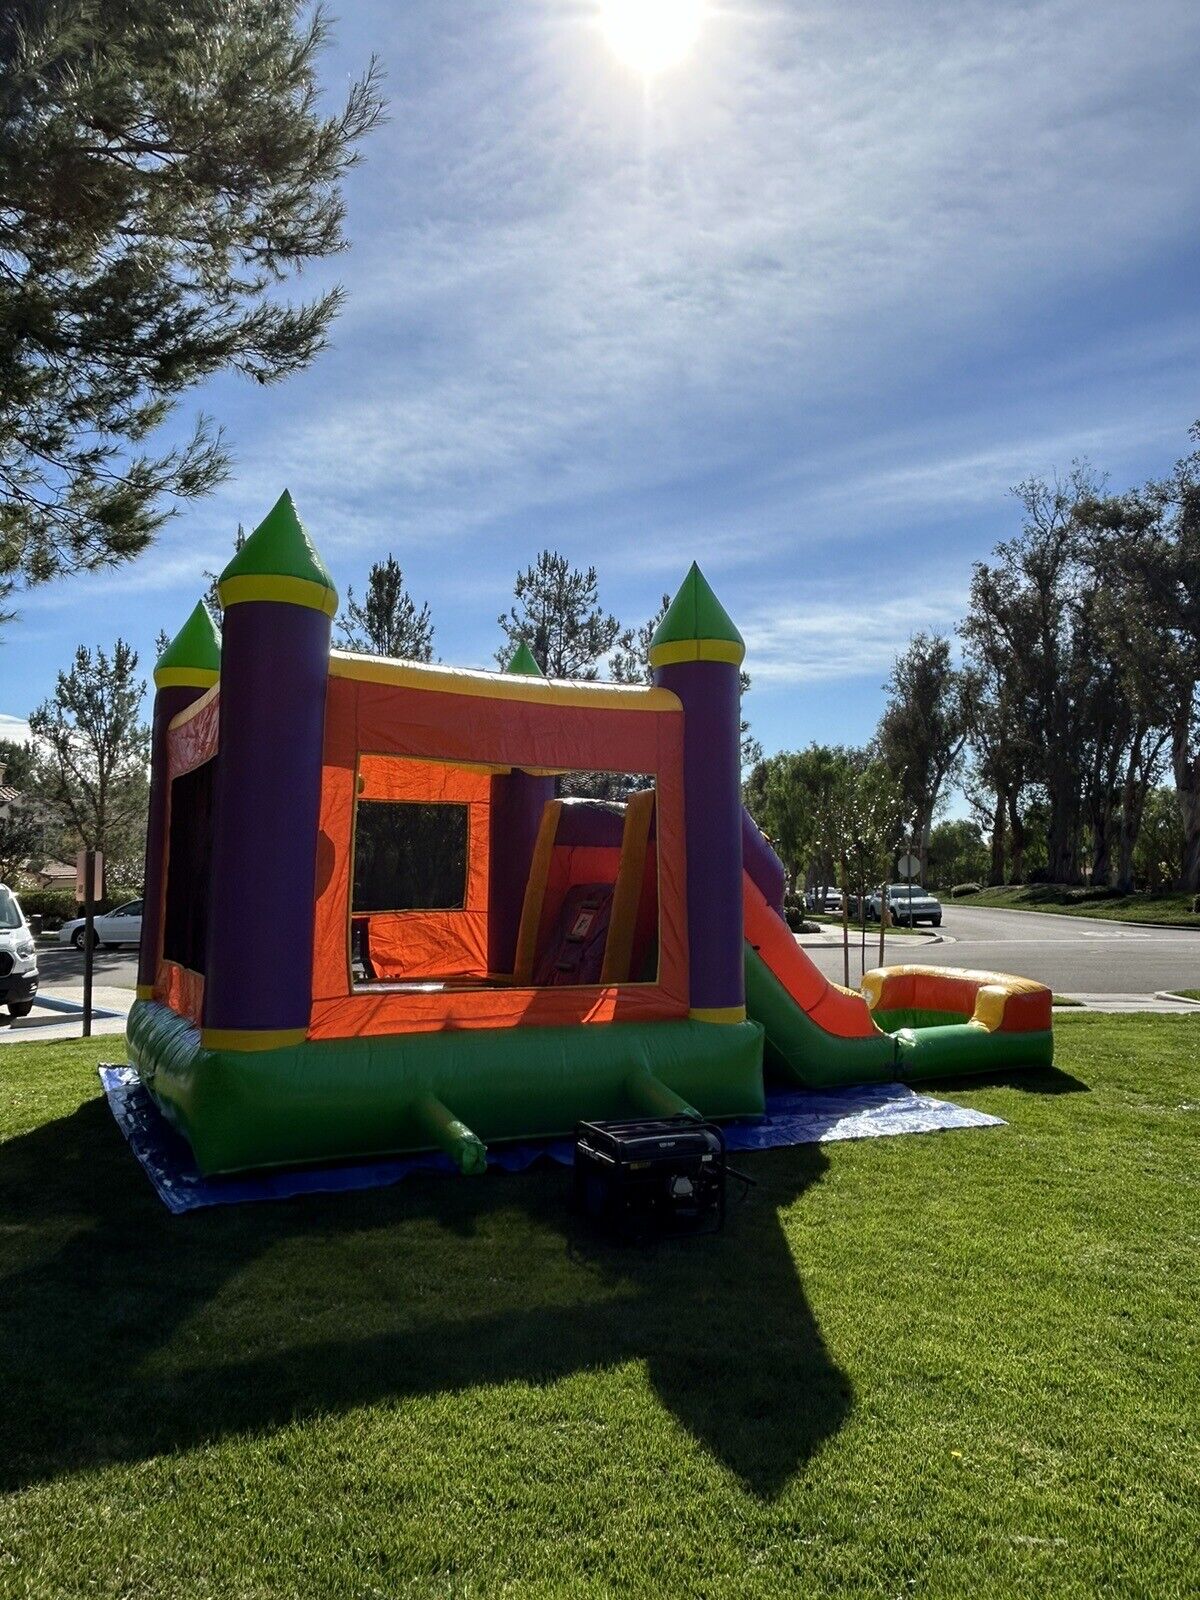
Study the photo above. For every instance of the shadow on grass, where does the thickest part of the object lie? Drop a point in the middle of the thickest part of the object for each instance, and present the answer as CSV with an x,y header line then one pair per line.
x,y
1029,1080
126,1332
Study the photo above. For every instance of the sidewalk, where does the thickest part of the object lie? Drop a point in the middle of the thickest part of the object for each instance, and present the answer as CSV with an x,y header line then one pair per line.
x,y
58,1014
1159,1004
833,936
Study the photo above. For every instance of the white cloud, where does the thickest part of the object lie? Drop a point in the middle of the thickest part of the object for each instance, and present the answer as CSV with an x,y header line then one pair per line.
x,y
825,637
581,292
14,728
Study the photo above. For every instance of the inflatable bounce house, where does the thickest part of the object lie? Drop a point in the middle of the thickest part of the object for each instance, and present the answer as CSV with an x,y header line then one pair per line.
x,y
371,925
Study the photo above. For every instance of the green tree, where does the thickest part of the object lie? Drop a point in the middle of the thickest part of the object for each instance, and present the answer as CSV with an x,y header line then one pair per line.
x,y
923,728
94,752
559,616
957,854
1163,562
23,835
833,815
783,795
388,621
1158,853
18,761
1029,613
164,169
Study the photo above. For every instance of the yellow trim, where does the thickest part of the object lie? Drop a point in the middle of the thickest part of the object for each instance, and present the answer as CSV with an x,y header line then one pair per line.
x,y
990,1002
717,1013
627,892
185,677
991,996
871,986
500,685
251,1038
145,991
535,894
196,707
287,591
677,650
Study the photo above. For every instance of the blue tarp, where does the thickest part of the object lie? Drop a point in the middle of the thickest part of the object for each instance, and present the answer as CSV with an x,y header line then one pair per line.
x,y
795,1117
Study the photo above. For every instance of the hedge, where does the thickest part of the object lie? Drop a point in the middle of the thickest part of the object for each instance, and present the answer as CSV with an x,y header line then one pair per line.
x,y
56,906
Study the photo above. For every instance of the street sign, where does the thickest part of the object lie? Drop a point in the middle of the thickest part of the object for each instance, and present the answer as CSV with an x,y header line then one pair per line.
x,y
909,867
81,874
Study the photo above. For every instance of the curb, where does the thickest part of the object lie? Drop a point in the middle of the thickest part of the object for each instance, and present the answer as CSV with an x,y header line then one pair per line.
x,y
1077,916
73,1008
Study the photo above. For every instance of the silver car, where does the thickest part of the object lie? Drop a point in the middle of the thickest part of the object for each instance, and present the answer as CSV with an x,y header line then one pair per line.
x,y
123,925
908,903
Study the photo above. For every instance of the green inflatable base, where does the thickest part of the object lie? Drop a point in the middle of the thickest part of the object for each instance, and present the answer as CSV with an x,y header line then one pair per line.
x,y
798,1051
344,1099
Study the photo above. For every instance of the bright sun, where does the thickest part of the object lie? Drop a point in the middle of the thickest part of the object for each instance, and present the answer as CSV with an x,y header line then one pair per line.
x,y
651,35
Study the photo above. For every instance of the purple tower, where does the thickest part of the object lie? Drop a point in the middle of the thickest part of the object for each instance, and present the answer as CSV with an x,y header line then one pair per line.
x,y
279,600
697,653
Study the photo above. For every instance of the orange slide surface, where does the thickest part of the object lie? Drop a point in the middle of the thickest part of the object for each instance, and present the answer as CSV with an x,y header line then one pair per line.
x,y
838,1011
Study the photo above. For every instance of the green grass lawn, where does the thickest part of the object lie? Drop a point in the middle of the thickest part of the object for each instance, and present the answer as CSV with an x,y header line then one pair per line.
x,y
947,1365
1175,909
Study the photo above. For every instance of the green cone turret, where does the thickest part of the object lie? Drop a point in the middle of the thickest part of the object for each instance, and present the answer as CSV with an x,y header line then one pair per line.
x,y
697,627
279,562
192,660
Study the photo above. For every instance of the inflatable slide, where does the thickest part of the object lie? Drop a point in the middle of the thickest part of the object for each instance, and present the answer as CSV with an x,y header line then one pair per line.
x,y
907,1022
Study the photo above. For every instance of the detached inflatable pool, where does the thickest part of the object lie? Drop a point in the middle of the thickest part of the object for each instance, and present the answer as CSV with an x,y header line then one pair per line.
x,y
373,926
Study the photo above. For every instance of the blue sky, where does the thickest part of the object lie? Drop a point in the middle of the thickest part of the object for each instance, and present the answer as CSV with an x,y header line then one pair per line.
x,y
802,308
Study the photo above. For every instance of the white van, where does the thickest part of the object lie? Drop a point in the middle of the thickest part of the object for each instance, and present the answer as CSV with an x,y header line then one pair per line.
x,y
18,957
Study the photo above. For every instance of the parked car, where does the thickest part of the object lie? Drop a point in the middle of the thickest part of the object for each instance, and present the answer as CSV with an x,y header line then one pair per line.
x,y
908,903
827,900
18,957
122,925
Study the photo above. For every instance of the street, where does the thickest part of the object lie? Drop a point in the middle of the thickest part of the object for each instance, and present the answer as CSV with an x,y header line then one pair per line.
x,y
1083,954
1072,954
61,968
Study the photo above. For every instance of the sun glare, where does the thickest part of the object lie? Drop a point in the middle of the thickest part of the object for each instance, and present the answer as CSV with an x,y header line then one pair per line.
x,y
651,36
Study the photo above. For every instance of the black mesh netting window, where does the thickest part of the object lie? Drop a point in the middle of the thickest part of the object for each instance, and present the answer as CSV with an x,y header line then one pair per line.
x,y
410,857
189,865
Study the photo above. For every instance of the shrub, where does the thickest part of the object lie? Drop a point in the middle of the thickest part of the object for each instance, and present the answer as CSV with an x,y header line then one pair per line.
x,y
1196,905
961,889
56,906
794,918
